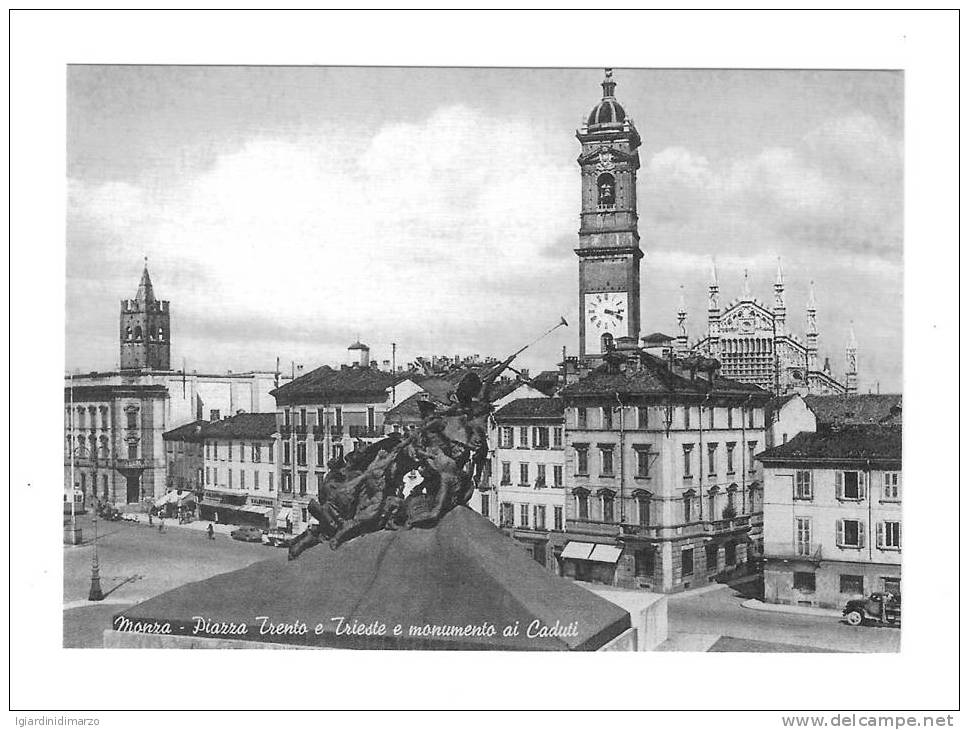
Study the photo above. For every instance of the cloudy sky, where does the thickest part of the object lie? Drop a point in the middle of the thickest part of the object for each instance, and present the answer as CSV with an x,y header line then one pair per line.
x,y
287,211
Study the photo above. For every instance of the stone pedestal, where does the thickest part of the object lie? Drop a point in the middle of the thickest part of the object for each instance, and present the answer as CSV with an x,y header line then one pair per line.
x,y
460,585
72,535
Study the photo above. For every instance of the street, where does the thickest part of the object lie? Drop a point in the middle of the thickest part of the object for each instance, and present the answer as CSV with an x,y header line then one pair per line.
x,y
136,563
719,613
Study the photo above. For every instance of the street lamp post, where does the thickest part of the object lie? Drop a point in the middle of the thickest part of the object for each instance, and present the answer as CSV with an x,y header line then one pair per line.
x,y
73,533
95,594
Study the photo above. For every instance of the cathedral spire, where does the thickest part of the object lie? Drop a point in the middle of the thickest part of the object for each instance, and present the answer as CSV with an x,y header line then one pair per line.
x,y
146,293
713,312
780,308
851,361
681,338
811,331
608,86
746,292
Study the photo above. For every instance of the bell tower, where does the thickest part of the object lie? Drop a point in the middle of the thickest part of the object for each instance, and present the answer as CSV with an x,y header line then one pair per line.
x,y
608,251
145,331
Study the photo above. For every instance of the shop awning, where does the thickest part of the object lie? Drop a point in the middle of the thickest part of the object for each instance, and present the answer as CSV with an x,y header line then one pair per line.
x,y
285,513
174,498
605,553
252,509
578,550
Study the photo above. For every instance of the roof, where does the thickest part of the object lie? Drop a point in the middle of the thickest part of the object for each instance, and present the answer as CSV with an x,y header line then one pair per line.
x,y
608,111
656,377
146,293
545,408
408,409
358,345
189,432
657,337
242,425
861,408
346,385
462,572
854,442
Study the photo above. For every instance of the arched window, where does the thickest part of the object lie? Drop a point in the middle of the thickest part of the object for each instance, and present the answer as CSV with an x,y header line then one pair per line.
x,y
606,185
607,342
688,505
608,505
712,499
731,499
161,334
127,333
581,502
138,334
642,506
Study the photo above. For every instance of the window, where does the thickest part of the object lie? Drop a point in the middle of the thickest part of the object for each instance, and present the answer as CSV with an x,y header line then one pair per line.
x,y
643,459
506,472
686,561
321,417
287,458
288,416
271,476
540,437
208,450
645,561
890,487
523,437
228,451
133,451
371,418
750,418
849,485
557,438
804,582
607,418
302,484
131,413
582,417
215,476
784,438
523,515
540,476
712,459
890,535
506,437
582,461
557,518
539,517
642,510
688,506
230,477
320,453
507,514
338,416
851,533
802,535
485,505
642,417
242,479
712,412
686,418
730,553
803,487
208,476
242,451
605,454
336,451
256,453
301,453
557,475
523,473
287,482
608,511
729,416
606,187
687,458
271,453
582,504
712,554
852,584
255,479
712,499
751,450
730,447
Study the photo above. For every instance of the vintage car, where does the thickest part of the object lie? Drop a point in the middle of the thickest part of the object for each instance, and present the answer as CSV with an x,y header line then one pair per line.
x,y
881,608
247,533
276,538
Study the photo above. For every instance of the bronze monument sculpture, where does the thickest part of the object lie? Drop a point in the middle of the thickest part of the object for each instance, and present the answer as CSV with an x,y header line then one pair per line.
x,y
365,491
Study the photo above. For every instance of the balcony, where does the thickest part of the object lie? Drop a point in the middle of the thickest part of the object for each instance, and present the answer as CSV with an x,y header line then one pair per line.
x,y
366,432
716,527
811,552
132,464
285,431
642,531
300,432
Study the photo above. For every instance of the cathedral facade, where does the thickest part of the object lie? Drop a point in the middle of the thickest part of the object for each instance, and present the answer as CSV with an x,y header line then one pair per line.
x,y
754,344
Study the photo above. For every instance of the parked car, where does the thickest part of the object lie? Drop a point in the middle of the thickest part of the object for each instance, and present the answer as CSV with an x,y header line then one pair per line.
x,y
109,512
247,533
881,608
276,538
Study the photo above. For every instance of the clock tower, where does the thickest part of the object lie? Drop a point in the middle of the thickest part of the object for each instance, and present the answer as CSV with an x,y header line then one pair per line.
x,y
608,251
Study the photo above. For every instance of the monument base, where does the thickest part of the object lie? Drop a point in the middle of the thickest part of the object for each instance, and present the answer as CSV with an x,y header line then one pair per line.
x,y
72,535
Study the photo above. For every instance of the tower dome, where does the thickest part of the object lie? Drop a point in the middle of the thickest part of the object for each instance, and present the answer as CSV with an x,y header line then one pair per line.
x,y
608,111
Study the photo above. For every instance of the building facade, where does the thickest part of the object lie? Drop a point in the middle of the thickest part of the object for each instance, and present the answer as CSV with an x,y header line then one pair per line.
x,y
755,344
526,497
184,454
239,470
324,415
115,420
663,490
832,520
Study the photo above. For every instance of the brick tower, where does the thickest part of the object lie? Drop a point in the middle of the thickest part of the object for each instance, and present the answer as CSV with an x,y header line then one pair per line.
x,y
145,329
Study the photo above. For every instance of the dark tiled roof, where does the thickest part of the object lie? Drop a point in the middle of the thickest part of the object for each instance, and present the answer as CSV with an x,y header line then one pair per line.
x,y
861,408
847,442
654,377
346,385
657,337
242,425
189,432
408,411
551,408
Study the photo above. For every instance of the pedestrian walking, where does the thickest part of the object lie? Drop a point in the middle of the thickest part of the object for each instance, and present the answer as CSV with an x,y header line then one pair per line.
x,y
161,524
150,520
210,531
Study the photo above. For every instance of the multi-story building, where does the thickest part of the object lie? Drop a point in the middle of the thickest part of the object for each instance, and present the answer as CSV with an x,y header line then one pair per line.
x,y
184,455
664,492
791,414
527,485
325,414
832,516
115,420
239,469
755,344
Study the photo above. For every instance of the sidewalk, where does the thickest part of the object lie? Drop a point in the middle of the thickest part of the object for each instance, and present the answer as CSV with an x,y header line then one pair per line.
x,y
783,608
693,592
197,525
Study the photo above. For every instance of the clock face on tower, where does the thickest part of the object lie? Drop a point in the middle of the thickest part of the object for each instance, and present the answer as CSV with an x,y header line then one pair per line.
x,y
605,313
